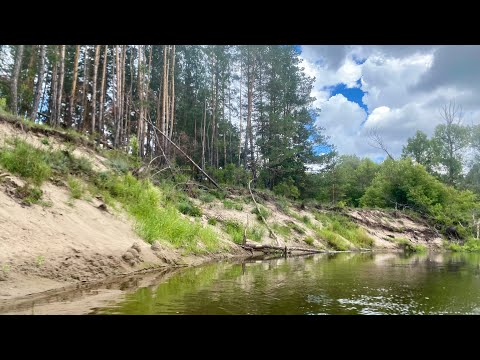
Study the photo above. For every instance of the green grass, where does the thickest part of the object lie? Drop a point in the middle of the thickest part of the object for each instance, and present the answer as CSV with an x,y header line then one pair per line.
x,y
283,230
263,212
333,239
25,160
206,197
235,230
212,221
30,195
309,240
408,246
256,233
188,208
343,226
296,228
153,209
282,204
76,187
229,204
471,245
156,218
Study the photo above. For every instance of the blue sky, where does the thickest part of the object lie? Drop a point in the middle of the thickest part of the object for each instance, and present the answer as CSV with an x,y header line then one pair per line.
x,y
396,89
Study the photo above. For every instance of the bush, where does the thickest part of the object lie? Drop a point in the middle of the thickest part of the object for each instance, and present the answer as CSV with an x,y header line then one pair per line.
x,y
471,245
409,185
287,189
343,226
76,187
263,212
408,246
27,161
256,233
334,240
212,221
30,195
309,240
235,230
187,208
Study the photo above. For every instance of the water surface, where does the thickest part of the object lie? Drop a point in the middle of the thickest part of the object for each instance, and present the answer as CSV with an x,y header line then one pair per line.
x,y
345,283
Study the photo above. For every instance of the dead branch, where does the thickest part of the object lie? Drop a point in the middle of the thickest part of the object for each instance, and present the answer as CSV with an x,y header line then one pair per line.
x,y
377,142
272,234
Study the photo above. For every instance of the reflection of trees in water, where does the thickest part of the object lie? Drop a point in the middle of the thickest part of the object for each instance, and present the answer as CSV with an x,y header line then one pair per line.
x,y
288,286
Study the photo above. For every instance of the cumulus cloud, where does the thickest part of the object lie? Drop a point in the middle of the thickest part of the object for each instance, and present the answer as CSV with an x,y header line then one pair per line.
x,y
404,88
342,120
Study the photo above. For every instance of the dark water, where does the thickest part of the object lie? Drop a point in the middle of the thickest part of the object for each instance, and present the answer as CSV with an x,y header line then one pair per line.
x,y
343,283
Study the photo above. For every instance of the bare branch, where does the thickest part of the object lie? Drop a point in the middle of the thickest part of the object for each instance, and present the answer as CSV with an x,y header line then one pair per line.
x,y
377,142
451,113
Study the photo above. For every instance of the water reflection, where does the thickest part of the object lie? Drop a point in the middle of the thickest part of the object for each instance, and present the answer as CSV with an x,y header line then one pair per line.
x,y
342,283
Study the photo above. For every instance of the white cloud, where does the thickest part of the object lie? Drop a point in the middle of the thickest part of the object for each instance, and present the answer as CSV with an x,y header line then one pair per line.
x,y
405,85
342,119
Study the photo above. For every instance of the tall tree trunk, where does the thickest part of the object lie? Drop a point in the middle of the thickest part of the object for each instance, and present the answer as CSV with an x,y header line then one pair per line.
x,y
38,90
203,134
240,105
249,116
54,89
85,90
164,94
172,111
60,85
116,115
15,76
94,90
141,93
71,107
102,93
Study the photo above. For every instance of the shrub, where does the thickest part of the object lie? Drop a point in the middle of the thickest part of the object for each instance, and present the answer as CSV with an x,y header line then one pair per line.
x,y
263,212
235,230
76,187
25,160
187,208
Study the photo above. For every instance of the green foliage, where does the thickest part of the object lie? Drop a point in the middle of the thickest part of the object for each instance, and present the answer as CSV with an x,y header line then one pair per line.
x,y
235,230
283,230
263,212
309,240
3,104
471,245
343,226
408,246
45,141
25,160
406,185
188,208
133,145
282,204
420,149
157,219
212,221
256,233
287,189
76,187
296,228
29,194
306,220
334,240
39,260
229,204
206,197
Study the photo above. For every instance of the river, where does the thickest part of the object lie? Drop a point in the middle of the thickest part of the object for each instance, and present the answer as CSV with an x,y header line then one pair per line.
x,y
346,283
322,284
